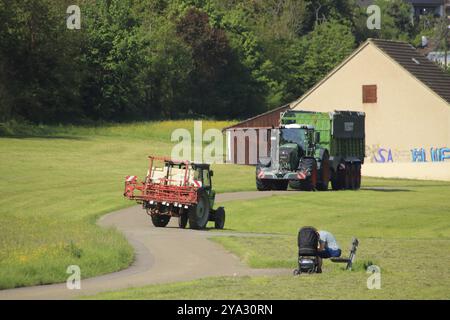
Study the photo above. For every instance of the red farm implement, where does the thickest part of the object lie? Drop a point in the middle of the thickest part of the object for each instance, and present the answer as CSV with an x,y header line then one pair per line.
x,y
176,189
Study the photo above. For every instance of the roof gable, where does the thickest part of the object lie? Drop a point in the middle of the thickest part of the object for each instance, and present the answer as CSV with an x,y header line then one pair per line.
x,y
416,64
409,59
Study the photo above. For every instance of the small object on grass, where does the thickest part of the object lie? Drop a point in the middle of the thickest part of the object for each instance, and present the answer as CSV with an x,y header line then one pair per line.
x,y
351,258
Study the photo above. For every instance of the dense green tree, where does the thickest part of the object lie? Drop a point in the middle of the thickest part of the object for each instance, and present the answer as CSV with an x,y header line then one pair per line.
x,y
313,56
150,59
112,58
39,80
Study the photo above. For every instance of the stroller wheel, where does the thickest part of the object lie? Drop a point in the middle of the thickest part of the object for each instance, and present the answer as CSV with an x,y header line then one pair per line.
x,y
297,272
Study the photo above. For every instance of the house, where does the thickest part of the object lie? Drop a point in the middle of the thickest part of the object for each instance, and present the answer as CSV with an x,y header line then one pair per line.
x,y
436,8
406,99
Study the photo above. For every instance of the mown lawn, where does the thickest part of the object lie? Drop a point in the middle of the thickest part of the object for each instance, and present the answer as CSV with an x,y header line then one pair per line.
x,y
56,185
404,228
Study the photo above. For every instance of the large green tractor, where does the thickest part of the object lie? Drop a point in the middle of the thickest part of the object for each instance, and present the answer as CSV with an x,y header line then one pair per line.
x,y
311,149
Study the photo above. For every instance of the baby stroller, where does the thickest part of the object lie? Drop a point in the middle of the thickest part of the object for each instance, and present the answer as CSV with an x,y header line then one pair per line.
x,y
308,260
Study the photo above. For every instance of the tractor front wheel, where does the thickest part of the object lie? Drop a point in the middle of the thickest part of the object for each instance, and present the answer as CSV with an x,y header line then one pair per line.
x,y
263,185
219,221
310,183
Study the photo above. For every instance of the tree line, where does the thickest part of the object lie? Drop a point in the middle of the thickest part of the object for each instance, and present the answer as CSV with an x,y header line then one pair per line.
x,y
153,59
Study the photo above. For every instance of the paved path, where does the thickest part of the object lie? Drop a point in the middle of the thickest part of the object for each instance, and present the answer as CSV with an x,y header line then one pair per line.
x,y
162,255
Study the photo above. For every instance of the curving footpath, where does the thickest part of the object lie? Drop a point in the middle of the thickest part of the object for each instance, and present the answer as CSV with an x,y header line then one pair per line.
x,y
161,256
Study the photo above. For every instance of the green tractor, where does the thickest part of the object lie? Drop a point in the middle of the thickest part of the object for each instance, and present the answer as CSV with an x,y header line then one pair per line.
x,y
310,149
178,189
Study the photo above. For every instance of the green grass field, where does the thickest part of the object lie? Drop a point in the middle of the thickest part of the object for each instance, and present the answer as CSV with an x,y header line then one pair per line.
x,y
403,228
56,182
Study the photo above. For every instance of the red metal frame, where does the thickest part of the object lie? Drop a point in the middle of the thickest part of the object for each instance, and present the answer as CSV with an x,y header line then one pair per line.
x,y
162,191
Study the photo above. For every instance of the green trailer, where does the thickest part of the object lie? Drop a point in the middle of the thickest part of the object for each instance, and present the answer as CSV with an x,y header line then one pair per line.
x,y
311,149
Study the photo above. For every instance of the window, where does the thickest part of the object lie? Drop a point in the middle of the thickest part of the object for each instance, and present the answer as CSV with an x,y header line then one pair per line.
x,y
206,179
370,94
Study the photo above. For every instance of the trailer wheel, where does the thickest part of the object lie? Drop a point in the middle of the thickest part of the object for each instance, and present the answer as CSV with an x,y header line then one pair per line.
x,y
358,176
263,185
160,221
199,214
219,221
334,181
338,180
322,185
183,220
348,176
352,177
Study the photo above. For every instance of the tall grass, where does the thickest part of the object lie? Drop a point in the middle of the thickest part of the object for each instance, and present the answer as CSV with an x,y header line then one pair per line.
x,y
56,181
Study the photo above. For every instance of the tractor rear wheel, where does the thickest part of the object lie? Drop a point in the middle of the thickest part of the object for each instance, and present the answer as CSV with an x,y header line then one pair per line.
x,y
199,214
219,221
160,221
263,185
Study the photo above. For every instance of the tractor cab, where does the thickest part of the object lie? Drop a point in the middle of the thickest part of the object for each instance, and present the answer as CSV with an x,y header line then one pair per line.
x,y
296,141
203,174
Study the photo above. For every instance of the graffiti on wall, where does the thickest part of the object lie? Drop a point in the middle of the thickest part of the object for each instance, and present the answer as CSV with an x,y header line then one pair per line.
x,y
380,154
434,155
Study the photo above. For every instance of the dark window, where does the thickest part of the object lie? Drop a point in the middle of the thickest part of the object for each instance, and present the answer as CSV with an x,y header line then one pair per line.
x,y
370,94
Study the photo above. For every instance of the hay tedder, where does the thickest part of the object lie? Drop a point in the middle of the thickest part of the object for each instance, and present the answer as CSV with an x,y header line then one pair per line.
x,y
178,189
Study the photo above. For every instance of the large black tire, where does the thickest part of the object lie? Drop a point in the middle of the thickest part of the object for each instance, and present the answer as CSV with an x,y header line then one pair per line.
x,y
354,177
263,185
310,183
358,176
324,179
183,220
338,180
348,176
280,185
219,220
199,214
295,184
160,221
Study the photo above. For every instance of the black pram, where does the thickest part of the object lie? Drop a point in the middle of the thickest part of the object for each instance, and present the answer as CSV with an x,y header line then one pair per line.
x,y
308,243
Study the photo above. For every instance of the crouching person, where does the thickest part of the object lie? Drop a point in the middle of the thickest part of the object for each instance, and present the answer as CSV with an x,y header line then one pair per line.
x,y
329,248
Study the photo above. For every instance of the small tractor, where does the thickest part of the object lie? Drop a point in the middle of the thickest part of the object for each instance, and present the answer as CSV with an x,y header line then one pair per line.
x,y
178,189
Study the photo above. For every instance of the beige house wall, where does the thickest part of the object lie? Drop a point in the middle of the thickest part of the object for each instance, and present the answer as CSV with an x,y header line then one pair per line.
x,y
407,116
